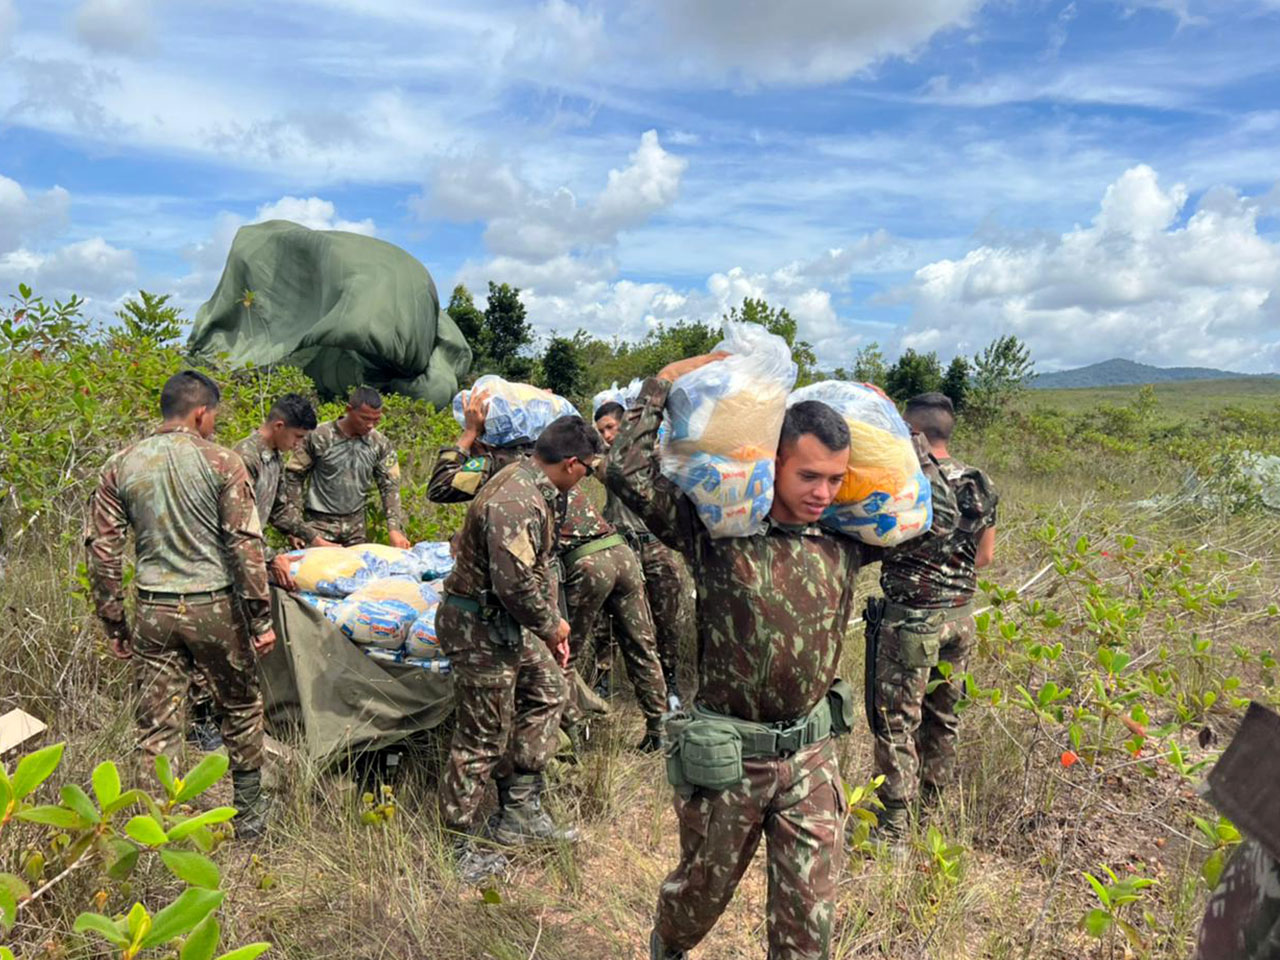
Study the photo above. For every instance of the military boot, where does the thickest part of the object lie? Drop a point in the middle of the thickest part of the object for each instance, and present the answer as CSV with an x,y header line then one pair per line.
x,y
523,821
587,699
654,736
890,833
660,951
247,797
674,704
474,863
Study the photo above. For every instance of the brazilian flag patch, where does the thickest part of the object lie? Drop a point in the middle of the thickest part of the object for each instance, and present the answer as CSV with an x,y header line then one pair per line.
x,y
474,465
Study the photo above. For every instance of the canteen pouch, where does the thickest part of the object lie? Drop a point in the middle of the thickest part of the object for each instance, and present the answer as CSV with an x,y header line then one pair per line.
x,y
504,629
919,635
840,700
675,770
710,754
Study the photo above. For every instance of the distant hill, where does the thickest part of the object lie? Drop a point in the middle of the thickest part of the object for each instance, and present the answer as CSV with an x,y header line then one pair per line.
x,y
1118,373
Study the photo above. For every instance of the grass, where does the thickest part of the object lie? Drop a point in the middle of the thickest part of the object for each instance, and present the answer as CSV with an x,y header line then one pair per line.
x,y
1177,401
1022,826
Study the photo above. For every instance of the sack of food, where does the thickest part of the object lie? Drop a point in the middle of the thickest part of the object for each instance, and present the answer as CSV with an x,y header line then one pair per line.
x,y
436,558
382,612
323,604
885,498
625,396
515,413
333,571
723,421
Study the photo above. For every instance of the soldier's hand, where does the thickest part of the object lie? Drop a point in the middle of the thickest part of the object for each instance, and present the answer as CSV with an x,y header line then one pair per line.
x,y
561,648
398,540
278,570
473,412
264,643
673,371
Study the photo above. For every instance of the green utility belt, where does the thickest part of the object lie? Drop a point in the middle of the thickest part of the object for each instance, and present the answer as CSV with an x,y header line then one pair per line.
x,y
504,630
706,749
593,546
900,611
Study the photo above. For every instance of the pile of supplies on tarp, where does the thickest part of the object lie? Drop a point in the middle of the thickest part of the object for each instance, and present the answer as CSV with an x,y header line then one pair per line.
x,y
515,413
723,422
885,498
380,597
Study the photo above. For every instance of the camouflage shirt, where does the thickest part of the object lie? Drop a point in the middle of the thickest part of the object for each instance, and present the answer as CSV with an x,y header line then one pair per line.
x,y
458,475
582,521
341,469
191,507
266,471
507,545
938,572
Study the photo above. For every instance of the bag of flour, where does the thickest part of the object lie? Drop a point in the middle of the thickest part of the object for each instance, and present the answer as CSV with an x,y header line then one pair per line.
x,y
515,413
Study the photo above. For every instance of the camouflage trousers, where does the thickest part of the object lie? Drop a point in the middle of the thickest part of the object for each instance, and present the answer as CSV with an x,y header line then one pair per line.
x,y
671,600
612,583
1242,920
507,705
170,642
346,530
797,803
915,738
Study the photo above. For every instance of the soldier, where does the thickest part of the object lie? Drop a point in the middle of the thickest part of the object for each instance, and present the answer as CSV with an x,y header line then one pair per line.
x,y
925,617
462,469
602,574
499,627
342,458
666,578
757,756
199,574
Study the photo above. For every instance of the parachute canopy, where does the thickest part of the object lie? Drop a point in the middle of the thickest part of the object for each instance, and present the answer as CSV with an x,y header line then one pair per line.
x,y
344,308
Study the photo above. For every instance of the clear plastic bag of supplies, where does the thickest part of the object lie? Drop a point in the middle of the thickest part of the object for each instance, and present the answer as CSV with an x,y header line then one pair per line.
x,y
723,421
620,395
333,571
515,413
436,557
382,612
885,498
429,560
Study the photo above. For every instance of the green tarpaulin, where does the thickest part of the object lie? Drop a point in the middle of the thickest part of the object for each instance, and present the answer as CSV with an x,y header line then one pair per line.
x,y
346,309
318,683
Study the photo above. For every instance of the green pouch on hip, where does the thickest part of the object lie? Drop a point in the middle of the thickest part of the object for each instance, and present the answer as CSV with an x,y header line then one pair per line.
x,y
840,700
919,638
675,768
710,754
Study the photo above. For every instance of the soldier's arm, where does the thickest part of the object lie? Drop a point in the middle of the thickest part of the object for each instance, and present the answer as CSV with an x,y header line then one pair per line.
x,y
458,476
106,534
633,472
242,539
291,519
386,473
514,532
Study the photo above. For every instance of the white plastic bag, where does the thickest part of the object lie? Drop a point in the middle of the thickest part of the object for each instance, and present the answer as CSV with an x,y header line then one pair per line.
x,y
885,498
723,422
333,571
515,413
382,612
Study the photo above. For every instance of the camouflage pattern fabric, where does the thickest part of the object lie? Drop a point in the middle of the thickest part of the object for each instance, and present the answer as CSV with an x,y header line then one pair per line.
x,y
610,581
337,472
797,804
171,639
196,528
1242,920
669,587
916,740
345,531
266,471
937,572
507,705
458,474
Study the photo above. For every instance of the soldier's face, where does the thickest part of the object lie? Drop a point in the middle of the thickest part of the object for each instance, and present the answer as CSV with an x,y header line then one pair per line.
x,y
286,439
363,419
807,479
608,427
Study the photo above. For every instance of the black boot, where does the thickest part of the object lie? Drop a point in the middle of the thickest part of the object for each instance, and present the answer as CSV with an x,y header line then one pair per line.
x,y
660,951
654,736
523,820
250,801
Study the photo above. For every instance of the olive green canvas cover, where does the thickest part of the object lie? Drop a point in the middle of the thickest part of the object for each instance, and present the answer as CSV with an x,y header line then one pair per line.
x,y
344,308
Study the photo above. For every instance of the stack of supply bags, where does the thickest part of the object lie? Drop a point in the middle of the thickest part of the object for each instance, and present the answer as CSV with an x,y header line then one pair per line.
x,y
428,560
436,557
885,498
723,421
382,612
515,413
624,395
333,571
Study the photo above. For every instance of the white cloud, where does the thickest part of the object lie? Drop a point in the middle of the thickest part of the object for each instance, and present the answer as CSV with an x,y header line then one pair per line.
x,y
26,217
116,26
92,268
1136,282
312,212
8,24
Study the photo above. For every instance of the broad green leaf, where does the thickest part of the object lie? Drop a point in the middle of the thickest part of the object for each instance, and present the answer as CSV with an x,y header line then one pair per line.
x,y
1099,889
164,773
6,954
6,794
146,831
192,868
1097,922
204,775
249,952
15,885
181,916
75,798
103,926
106,783
202,941
35,768
491,896
1213,867
52,816
126,799
139,922
126,858
216,815
8,909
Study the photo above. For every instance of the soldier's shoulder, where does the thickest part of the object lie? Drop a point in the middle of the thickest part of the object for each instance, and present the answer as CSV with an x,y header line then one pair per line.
x,y
224,460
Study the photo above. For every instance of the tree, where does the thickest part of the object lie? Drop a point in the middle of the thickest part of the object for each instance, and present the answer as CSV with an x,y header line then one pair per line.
x,y
955,382
150,318
561,369
1000,374
508,332
913,374
780,322
470,320
869,365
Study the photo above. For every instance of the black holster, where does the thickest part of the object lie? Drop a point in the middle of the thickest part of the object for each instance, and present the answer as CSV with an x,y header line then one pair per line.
x,y
873,618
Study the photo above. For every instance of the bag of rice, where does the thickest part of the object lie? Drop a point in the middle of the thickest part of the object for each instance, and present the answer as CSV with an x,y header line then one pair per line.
x,y
382,612
333,571
885,498
515,412
323,604
723,421
436,557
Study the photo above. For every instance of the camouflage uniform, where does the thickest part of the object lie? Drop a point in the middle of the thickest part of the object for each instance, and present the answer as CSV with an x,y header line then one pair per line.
x,y
772,613
508,699
340,468
266,471
611,580
200,574
458,475
934,578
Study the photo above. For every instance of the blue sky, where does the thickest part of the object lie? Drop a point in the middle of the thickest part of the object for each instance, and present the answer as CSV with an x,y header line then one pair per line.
x,y
1101,178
